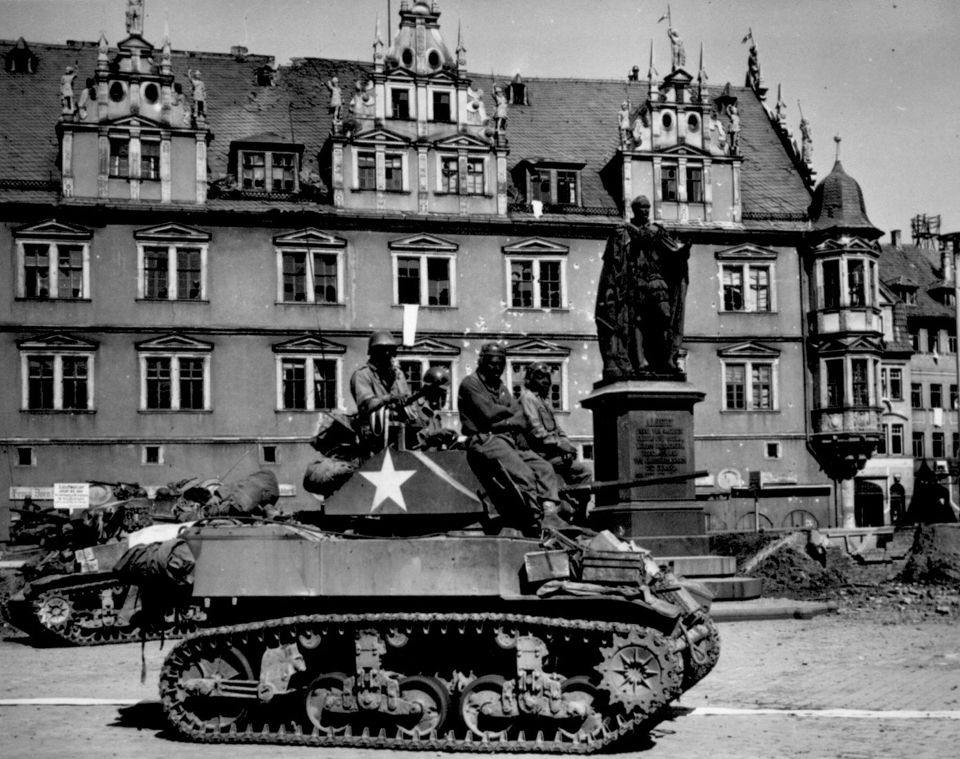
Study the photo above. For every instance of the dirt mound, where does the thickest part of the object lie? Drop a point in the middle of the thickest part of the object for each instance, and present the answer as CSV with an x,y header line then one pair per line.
x,y
934,558
790,572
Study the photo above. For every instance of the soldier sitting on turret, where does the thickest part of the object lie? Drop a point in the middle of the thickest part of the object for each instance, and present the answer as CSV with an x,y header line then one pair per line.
x,y
431,434
380,391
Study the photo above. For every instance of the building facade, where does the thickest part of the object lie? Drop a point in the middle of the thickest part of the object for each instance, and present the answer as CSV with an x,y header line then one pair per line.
x,y
198,246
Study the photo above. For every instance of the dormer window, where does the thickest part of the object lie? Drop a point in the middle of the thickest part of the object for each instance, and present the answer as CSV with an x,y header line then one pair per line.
x,y
554,186
399,103
268,171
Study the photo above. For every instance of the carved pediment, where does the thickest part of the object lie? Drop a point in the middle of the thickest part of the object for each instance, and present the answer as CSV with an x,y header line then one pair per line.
x,y
536,245
423,242
461,141
53,229
538,347
381,137
686,150
748,350
134,122
310,236
174,343
310,344
748,251
172,232
60,341
856,344
430,347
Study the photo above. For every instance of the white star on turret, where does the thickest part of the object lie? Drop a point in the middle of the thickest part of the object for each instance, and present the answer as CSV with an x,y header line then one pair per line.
x,y
387,482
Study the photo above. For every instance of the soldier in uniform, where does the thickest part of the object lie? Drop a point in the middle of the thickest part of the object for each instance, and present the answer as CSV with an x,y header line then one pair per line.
x,y
380,391
494,425
546,436
431,399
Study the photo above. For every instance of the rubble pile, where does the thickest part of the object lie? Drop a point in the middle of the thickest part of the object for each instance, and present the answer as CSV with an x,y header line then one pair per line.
x,y
934,558
791,572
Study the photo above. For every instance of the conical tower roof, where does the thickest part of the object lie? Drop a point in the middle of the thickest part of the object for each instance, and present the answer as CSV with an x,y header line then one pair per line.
x,y
838,206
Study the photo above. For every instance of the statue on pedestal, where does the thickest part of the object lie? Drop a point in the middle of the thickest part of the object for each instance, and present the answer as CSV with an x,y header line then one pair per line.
x,y
640,299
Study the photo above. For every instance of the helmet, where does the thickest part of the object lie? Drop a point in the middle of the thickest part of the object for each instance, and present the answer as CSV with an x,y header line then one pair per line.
x,y
493,349
537,369
436,376
381,339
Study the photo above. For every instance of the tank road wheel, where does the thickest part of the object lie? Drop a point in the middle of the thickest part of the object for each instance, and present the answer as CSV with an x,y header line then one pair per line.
x,y
432,696
579,695
330,685
218,711
701,657
53,611
640,671
481,708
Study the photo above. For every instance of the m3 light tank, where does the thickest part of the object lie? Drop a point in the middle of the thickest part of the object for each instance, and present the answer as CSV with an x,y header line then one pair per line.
x,y
419,624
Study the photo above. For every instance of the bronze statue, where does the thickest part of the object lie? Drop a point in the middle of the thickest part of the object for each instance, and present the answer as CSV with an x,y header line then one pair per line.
x,y
640,299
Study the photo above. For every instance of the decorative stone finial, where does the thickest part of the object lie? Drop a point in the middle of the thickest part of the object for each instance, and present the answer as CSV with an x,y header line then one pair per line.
x,y
836,139
461,48
702,74
135,17
378,43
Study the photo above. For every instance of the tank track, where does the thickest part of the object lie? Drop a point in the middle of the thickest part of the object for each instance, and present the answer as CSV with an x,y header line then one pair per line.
x,y
599,681
75,615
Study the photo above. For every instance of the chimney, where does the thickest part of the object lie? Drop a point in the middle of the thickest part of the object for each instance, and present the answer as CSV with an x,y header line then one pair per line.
x,y
239,51
895,238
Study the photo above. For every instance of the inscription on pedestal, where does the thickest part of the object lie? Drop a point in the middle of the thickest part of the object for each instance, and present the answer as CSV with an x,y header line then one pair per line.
x,y
659,449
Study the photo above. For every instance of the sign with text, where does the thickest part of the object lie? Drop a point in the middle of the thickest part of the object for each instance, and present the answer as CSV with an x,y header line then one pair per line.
x,y
71,495
18,493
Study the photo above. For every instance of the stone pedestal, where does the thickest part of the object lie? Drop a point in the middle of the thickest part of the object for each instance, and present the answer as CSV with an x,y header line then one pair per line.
x,y
645,429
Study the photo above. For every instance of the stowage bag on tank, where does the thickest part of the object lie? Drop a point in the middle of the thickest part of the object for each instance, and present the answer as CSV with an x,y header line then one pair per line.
x,y
253,491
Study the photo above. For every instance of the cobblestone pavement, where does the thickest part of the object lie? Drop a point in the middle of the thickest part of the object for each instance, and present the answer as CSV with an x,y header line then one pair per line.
x,y
883,678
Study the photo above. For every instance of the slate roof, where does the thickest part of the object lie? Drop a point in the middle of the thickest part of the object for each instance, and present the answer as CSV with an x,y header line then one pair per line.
x,y
838,206
909,264
568,119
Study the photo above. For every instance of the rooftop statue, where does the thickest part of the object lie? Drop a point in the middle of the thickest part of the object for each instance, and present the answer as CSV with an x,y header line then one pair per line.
x,y
336,98
676,46
623,124
134,16
66,90
734,130
640,299
199,95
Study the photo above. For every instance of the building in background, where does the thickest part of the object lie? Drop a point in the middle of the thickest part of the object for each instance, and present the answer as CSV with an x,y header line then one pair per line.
x,y
198,246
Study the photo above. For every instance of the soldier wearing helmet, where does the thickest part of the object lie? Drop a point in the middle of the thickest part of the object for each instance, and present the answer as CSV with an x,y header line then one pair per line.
x,y
430,400
380,391
545,434
494,425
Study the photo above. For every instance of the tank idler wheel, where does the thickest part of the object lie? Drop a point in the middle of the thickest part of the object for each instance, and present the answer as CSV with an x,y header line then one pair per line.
x,y
481,708
330,685
432,696
580,695
640,671
212,711
54,611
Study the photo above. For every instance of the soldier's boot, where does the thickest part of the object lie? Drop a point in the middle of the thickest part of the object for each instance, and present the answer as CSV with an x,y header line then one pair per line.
x,y
550,519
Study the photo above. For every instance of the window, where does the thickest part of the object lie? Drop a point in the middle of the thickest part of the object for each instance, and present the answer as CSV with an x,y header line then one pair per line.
x,y
835,384
441,106
399,103
119,158
57,270
554,186
57,382
424,279
311,276
151,455
308,383
916,395
891,383
517,376
771,450
936,395
269,454
856,283
918,445
25,456
537,283
749,386
414,368
173,273
149,160
694,184
756,297
393,172
956,445
951,341
268,171
884,436
896,439
449,174
937,445
860,382
367,171
831,284
174,382
953,397
567,188
933,340
668,183
915,341
475,176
